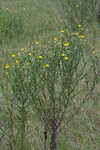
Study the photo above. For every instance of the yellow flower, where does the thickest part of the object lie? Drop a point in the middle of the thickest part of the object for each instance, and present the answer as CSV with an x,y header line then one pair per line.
x,y
62,31
27,64
40,57
62,54
93,52
17,62
13,55
22,49
6,8
82,36
6,73
66,58
66,44
79,25
77,33
55,39
6,66
46,65
30,54
36,42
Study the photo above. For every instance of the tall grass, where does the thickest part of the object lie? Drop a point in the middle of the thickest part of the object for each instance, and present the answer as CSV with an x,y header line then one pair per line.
x,y
31,29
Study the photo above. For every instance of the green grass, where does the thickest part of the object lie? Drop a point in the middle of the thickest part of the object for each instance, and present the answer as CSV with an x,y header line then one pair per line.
x,y
35,20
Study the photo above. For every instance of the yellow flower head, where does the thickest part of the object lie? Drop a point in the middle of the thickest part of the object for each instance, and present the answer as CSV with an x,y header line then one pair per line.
x,y
66,44
6,66
36,42
62,54
40,57
22,49
79,25
17,62
55,39
93,52
77,33
30,54
6,73
47,65
27,64
62,31
82,36
66,58
6,8
13,55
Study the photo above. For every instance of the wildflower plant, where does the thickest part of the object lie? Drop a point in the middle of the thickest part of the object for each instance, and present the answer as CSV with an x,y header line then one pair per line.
x,y
58,83
49,82
15,74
